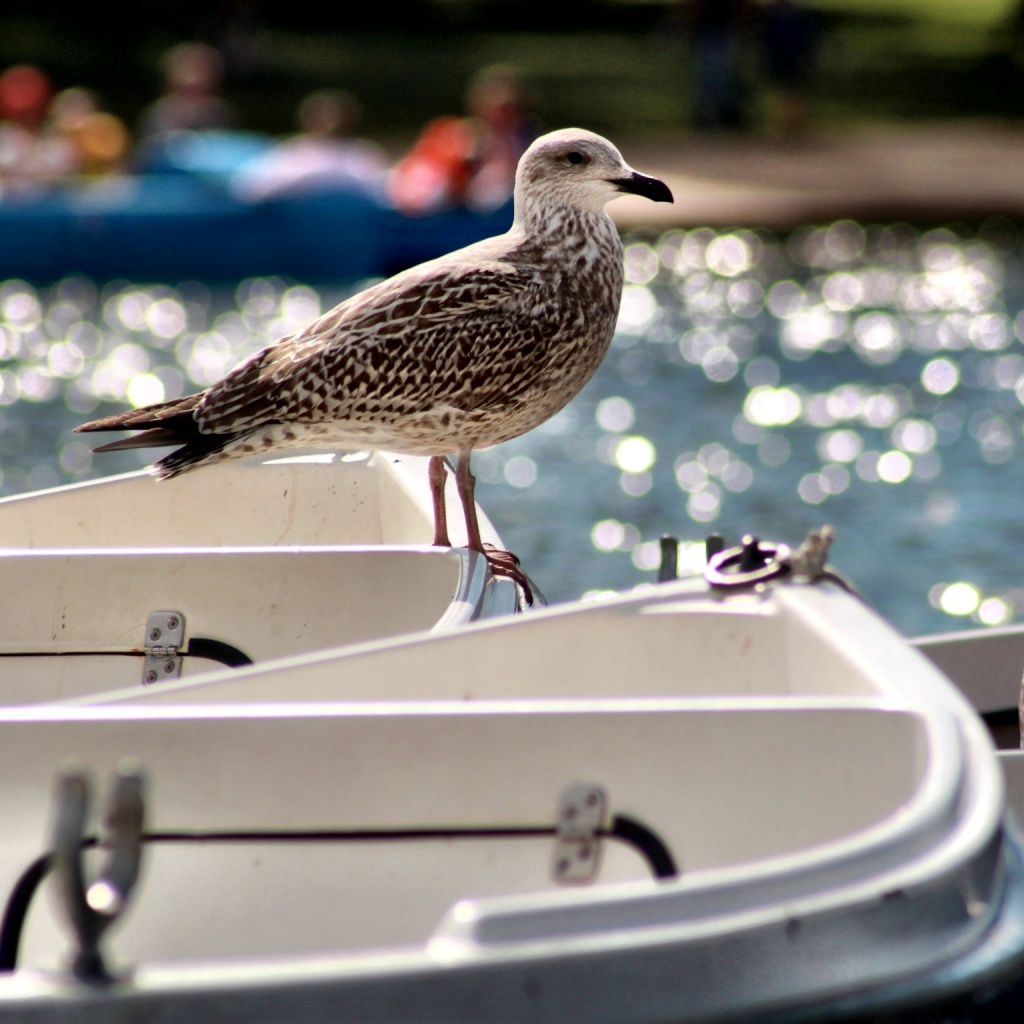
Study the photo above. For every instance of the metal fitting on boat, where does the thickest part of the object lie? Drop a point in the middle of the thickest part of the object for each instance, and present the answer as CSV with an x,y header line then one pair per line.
x,y
93,906
750,563
755,562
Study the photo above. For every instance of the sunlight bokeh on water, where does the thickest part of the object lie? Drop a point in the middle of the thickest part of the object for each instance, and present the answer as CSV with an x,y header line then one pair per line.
x,y
871,377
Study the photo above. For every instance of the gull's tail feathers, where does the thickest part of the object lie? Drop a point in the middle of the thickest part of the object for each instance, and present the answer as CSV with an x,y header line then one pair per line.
x,y
164,425
174,414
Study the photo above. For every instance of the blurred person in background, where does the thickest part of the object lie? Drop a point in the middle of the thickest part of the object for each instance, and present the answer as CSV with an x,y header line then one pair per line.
x,y
789,37
191,98
717,34
99,139
34,158
326,153
469,161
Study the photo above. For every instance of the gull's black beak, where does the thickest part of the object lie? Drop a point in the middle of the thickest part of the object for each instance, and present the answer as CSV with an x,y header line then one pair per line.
x,y
641,185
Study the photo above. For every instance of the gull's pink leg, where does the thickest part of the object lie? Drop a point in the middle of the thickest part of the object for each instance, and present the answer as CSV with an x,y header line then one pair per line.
x,y
503,563
438,475
466,483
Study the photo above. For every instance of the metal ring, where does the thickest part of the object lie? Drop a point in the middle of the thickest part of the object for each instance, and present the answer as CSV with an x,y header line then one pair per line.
x,y
723,571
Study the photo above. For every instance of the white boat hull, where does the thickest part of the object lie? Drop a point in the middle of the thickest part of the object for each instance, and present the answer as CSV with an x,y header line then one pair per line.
x,y
259,560
832,809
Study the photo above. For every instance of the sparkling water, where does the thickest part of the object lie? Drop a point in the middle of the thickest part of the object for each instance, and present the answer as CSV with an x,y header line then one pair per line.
x,y
866,376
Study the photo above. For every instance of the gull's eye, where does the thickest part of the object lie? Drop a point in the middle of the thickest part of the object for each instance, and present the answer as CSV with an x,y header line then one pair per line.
x,y
576,158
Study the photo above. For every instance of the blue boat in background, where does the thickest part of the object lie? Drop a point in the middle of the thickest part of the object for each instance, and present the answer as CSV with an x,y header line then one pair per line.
x,y
178,218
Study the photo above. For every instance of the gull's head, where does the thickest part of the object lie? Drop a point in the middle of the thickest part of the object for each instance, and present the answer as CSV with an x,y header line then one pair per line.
x,y
575,167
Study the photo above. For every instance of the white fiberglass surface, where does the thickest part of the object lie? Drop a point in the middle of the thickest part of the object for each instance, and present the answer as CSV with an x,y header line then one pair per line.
x,y
721,788
327,499
690,645
75,622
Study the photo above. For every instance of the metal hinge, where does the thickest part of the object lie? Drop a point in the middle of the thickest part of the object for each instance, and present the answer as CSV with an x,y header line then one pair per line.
x,y
165,637
577,853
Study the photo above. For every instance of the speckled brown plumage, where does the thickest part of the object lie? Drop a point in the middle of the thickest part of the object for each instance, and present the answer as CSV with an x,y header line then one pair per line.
x,y
465,351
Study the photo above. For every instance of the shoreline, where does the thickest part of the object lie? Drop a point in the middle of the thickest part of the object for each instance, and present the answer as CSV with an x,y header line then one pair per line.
x,y
931,172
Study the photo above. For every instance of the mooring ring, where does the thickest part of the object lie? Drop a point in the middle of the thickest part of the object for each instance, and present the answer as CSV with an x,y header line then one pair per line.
x,y
751,563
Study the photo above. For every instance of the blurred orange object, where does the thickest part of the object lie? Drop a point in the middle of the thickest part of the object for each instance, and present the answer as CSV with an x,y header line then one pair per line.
x,y
469,161
101,140
436,172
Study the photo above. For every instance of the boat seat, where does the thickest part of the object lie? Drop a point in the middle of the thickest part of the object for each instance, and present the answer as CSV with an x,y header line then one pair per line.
x,y
694,774
77,622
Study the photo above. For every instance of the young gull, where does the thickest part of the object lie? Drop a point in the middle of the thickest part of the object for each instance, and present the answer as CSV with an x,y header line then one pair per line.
x,y
461,352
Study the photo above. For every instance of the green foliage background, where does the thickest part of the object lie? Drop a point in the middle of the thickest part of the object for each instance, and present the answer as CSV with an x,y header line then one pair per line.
x,y
617,66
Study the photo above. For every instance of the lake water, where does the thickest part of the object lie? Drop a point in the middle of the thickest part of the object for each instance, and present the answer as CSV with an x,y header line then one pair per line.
x,y
869,377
